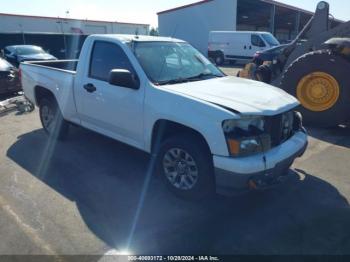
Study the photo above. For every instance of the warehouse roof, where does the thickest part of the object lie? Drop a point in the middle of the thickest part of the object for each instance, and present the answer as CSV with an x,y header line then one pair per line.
x,y
185,6
207,1
272,2
71,19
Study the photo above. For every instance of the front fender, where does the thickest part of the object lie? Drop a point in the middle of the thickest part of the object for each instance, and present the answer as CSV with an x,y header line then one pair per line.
x,y
203,117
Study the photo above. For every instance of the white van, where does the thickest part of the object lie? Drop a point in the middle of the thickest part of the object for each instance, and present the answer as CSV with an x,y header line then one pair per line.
x,y
236,46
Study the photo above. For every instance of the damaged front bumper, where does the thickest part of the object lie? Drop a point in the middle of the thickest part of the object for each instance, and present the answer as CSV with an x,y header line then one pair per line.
x,y
235,175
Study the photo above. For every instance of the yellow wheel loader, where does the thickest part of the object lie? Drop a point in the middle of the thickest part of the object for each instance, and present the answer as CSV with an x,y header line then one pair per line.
x,y
315,68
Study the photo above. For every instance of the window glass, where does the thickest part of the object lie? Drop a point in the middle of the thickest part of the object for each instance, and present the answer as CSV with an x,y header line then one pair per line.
x,y
7,51
30,50
270,39
257,41
106,57
167,61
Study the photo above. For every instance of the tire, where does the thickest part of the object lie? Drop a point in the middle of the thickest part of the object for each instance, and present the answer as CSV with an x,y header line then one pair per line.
x,y
52,120
325,62
219,59
258,61
263,74
198,159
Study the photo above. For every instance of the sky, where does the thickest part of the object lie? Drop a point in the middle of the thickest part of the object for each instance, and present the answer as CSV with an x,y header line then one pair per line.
x,y
138,11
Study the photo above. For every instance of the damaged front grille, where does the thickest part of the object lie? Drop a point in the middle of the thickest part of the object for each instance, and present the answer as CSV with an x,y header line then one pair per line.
x,y
280,127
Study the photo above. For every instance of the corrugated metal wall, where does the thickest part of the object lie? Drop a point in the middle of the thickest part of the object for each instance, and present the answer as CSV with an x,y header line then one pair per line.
x,y
32,24
194,23
62,46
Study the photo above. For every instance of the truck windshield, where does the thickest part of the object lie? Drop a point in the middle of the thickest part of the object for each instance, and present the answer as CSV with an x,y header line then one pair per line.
x,y
270,39
172,62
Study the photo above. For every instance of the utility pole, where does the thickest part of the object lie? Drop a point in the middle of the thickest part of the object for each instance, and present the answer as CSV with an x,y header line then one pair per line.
x,y
22,32
60,21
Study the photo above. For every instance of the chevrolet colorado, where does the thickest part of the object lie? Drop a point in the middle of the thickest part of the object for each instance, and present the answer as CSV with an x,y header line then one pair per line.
x,y
205,130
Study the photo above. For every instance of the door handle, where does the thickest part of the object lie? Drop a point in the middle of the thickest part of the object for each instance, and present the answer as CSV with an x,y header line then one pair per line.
x,y
90,88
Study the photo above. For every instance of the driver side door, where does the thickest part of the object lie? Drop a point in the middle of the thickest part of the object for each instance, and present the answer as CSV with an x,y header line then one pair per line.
x,y
114,111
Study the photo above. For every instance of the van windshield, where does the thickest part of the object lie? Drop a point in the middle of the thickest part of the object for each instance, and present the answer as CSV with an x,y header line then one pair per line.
x,y
174,62
270,39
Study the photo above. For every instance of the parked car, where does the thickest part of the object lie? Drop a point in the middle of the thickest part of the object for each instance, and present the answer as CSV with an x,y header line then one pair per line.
x,y
162,96
9,80
268,55
20,53
236,46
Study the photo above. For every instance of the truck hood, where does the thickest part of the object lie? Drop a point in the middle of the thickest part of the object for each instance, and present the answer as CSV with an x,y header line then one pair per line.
x,y
237,94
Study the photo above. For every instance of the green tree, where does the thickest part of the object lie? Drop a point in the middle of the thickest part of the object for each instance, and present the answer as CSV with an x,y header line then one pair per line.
x,y
154,31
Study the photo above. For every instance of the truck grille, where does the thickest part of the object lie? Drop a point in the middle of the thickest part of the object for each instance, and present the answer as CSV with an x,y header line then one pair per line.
x,y
280,127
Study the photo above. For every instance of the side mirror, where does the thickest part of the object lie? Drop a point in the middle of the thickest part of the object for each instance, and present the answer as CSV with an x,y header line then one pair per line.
x,y
123,78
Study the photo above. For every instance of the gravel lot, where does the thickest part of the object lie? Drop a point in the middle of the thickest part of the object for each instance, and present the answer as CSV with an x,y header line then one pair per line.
x,y
84,196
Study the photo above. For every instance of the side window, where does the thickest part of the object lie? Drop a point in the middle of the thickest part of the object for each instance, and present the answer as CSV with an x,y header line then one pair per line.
x,y
257,41
7,51
105,57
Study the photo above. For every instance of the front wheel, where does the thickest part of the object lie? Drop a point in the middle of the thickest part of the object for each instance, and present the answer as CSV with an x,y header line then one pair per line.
x,y
185,165
51,119
220,59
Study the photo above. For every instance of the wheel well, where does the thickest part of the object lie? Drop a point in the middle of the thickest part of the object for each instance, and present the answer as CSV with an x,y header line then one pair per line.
x,y
215,53
41,92
164,129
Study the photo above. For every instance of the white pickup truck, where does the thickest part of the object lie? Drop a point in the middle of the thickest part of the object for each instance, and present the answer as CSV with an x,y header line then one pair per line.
x,y
205,130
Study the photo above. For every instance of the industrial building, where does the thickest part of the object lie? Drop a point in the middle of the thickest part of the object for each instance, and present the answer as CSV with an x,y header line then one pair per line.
x,y
62,37
10,23
193,22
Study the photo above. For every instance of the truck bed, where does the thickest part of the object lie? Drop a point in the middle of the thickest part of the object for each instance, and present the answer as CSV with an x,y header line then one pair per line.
x,y
55,76
66,65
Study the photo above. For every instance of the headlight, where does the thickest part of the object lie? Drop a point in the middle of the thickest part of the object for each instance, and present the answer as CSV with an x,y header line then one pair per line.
x,y
244,123
246,136
246,146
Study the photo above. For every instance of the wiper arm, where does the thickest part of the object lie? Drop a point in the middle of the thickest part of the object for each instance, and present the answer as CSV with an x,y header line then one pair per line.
x,y
201,75
173,81
188,79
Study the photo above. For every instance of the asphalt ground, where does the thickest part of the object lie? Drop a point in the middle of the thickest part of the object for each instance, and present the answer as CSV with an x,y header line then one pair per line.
x,y
91,195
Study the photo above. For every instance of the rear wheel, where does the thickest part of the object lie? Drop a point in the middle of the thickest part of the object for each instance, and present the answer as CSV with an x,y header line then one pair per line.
x,y
321,83
51,118
185,165
219,59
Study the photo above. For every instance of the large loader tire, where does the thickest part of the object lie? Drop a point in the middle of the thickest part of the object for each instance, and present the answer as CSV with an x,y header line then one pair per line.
x,y
321,82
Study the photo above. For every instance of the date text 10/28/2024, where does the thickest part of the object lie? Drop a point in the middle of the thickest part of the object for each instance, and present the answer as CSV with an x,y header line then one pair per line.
x,y
173,258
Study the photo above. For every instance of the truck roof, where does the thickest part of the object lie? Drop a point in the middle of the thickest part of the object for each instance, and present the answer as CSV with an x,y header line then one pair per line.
x,y
138,38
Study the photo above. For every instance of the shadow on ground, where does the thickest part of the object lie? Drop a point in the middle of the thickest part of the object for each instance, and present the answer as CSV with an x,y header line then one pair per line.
x,y
105,179
339,135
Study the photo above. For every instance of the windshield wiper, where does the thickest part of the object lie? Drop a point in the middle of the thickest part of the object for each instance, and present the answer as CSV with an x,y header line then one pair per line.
x,y
202,75
172,81
187,79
